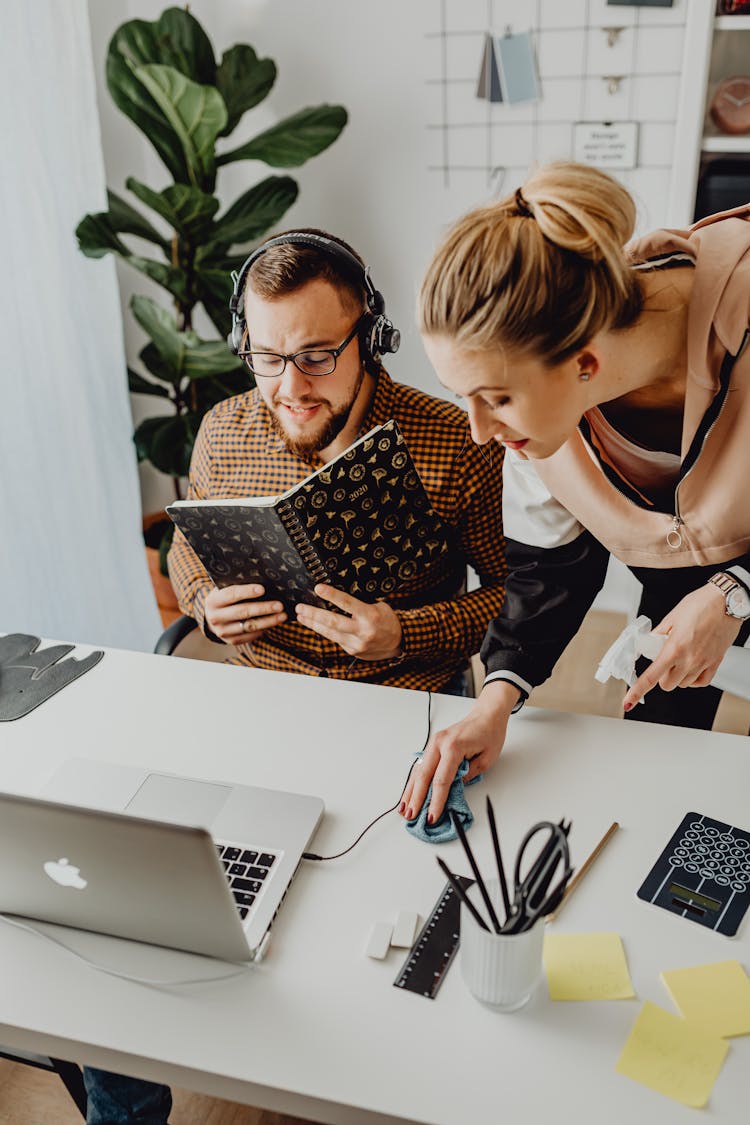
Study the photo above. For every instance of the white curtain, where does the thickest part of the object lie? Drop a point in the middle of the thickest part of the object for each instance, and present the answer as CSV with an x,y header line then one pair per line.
x,y
72,565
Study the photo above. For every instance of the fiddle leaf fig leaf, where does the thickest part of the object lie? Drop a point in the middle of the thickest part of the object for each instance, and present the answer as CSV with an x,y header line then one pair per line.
x,y
294,140
97,237
195,113
175,39
187,209
126,220
183,44
254,212
166,441
159,325
243,80
132,97
173,280
138,385
210,357
157,365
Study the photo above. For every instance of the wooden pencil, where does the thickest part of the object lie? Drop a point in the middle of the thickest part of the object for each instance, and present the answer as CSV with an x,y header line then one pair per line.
x,y
582,870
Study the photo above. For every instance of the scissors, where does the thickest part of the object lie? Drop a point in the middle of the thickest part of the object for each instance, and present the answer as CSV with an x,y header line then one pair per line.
x,y
534,892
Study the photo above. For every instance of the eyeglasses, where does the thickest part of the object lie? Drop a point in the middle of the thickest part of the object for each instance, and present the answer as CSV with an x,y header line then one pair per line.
x,y
310,361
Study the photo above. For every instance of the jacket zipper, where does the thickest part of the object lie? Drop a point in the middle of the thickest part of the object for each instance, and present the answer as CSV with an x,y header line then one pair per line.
x,y
674,536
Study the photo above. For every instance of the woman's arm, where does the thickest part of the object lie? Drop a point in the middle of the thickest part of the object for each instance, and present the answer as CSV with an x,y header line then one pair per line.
x,y
556,569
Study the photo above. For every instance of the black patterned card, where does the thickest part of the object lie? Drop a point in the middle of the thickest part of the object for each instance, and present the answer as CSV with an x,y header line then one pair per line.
x,y
363,523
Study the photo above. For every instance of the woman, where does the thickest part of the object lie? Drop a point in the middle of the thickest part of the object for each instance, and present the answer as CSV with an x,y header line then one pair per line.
x,y
618,382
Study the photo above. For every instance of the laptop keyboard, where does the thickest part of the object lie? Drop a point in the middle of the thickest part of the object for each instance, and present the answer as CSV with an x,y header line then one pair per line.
x,y
246,869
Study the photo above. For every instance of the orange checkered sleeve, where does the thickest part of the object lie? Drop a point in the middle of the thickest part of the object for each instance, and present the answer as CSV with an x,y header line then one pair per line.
x,y
237,453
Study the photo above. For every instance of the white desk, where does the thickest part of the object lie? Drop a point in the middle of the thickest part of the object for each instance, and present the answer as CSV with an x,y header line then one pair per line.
x,y
317,1028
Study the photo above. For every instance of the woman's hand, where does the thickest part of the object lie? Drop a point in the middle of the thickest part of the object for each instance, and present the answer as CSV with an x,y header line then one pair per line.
x,y
699,633
479,738
237,616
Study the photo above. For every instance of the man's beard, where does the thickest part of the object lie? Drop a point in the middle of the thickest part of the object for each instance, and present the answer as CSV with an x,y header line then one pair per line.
x,y
306,447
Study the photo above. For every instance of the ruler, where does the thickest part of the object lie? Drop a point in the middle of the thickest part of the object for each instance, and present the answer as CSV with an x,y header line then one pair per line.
x,y
434,949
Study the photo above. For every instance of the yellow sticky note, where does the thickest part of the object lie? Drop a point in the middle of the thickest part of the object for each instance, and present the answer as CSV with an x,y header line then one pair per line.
x,y
672,1056
586,967
715,997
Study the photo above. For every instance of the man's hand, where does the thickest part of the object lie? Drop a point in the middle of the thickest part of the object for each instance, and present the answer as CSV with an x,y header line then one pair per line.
x,y
236,616
369,632
699,634
479,738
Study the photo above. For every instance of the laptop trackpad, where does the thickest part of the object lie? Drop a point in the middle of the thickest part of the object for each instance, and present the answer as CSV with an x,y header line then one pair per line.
x,y
178,799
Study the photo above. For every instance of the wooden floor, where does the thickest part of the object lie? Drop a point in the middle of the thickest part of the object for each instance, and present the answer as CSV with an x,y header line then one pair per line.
x,y
32,1097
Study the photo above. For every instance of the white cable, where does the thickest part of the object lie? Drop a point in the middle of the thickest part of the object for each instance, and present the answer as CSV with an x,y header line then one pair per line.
x,y
116,972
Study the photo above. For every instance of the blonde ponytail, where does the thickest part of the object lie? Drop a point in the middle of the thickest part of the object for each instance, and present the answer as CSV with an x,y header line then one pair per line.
x,y
542,271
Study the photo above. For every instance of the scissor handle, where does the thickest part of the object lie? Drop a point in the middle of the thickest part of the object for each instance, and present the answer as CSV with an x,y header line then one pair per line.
x,y
533,889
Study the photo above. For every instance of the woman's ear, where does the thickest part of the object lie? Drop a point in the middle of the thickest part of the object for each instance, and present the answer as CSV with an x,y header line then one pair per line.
x,y
587,365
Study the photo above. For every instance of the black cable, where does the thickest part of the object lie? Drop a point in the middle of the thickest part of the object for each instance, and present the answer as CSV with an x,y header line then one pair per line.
x,y
312,855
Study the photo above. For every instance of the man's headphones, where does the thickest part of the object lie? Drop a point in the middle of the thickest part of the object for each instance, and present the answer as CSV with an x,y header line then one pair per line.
x,y
377,334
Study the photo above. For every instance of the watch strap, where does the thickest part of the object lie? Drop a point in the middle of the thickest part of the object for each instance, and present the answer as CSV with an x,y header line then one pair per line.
x,y
725,582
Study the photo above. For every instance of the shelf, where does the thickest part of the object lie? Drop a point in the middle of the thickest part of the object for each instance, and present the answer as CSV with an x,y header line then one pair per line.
x,y
732,23
739,144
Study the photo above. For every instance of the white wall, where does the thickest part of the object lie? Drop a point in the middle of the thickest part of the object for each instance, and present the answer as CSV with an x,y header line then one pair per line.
x,y
385,62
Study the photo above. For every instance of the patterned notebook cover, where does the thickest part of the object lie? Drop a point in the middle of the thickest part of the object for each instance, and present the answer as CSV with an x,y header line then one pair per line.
x,y
363,523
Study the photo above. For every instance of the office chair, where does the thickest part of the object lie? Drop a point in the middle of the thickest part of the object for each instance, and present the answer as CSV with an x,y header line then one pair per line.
x,y
180,628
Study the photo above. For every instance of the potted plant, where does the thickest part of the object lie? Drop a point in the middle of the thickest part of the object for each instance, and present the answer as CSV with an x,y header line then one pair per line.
x,y
164,76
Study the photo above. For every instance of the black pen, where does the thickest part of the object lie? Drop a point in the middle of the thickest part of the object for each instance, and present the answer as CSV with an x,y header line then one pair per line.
x,y
462,894
455,821
498,859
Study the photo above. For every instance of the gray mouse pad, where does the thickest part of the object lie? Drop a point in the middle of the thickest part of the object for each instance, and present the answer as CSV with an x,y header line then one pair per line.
x,y
29,675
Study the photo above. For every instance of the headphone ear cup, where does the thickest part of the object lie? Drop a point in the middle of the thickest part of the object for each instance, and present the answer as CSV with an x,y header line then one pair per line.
x,y
390,337
367,341
381,337
234,339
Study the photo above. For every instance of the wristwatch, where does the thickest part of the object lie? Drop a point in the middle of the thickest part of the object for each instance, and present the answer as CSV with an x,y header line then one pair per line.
x,y
736,595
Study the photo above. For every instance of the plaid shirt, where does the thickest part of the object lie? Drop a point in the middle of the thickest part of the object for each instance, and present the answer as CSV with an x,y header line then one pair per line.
x,y
237,453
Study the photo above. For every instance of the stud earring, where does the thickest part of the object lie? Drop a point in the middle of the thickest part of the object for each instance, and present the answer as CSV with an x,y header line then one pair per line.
x,y
584,376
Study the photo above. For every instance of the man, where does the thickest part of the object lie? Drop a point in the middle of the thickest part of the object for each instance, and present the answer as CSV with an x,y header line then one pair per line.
x,y
311,327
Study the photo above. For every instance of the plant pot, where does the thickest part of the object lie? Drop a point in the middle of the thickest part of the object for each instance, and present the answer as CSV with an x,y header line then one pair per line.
x,y
166,599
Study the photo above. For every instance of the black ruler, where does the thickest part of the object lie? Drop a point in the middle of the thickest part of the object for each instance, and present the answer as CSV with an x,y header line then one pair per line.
x,y
432,953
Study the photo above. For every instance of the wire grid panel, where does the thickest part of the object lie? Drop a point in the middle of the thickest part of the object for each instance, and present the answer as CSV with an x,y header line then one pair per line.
x,y
596,62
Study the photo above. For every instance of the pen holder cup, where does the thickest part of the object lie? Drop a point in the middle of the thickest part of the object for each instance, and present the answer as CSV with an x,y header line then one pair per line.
x,y
499,969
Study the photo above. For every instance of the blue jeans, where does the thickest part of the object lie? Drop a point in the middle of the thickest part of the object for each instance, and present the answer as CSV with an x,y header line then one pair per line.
x,y
115,1099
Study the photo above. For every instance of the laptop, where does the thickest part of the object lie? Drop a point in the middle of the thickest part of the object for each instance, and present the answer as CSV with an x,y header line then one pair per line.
x,y
154,857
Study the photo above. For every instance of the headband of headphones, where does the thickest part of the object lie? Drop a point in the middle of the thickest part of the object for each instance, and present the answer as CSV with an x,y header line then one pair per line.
x,y
377,334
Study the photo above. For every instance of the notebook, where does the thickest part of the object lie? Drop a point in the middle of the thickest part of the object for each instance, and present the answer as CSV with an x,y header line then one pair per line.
x,y
154,857
363,523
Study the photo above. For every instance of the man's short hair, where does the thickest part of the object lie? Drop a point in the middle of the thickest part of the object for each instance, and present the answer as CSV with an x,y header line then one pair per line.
x,y
286,268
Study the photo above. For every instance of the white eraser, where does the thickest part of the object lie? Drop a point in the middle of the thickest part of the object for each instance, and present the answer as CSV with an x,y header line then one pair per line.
x,y
405,929
380,940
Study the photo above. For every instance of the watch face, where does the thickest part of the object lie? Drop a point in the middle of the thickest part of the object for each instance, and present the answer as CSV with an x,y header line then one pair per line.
x,y
738,603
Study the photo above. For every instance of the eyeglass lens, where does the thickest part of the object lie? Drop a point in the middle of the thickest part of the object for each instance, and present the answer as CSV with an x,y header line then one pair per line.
x,y
270,365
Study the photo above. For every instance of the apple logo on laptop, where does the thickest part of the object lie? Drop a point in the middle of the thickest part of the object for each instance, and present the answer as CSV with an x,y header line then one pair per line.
x,y
64,873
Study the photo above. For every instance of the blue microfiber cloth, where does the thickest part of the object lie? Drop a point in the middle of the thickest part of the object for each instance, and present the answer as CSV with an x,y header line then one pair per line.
x,y
442,830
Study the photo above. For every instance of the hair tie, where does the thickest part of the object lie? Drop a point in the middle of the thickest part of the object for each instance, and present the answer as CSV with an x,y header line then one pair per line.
x,y
522,205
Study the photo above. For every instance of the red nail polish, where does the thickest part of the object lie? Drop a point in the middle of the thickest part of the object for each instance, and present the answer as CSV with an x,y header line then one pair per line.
x,y
627,706
430,818
402,806
409,814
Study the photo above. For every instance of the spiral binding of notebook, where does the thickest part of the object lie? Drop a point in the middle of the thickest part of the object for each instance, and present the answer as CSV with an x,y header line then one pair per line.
x,y
299,538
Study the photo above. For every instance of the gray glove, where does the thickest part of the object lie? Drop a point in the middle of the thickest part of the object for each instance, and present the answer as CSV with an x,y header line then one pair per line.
x,y
28,676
